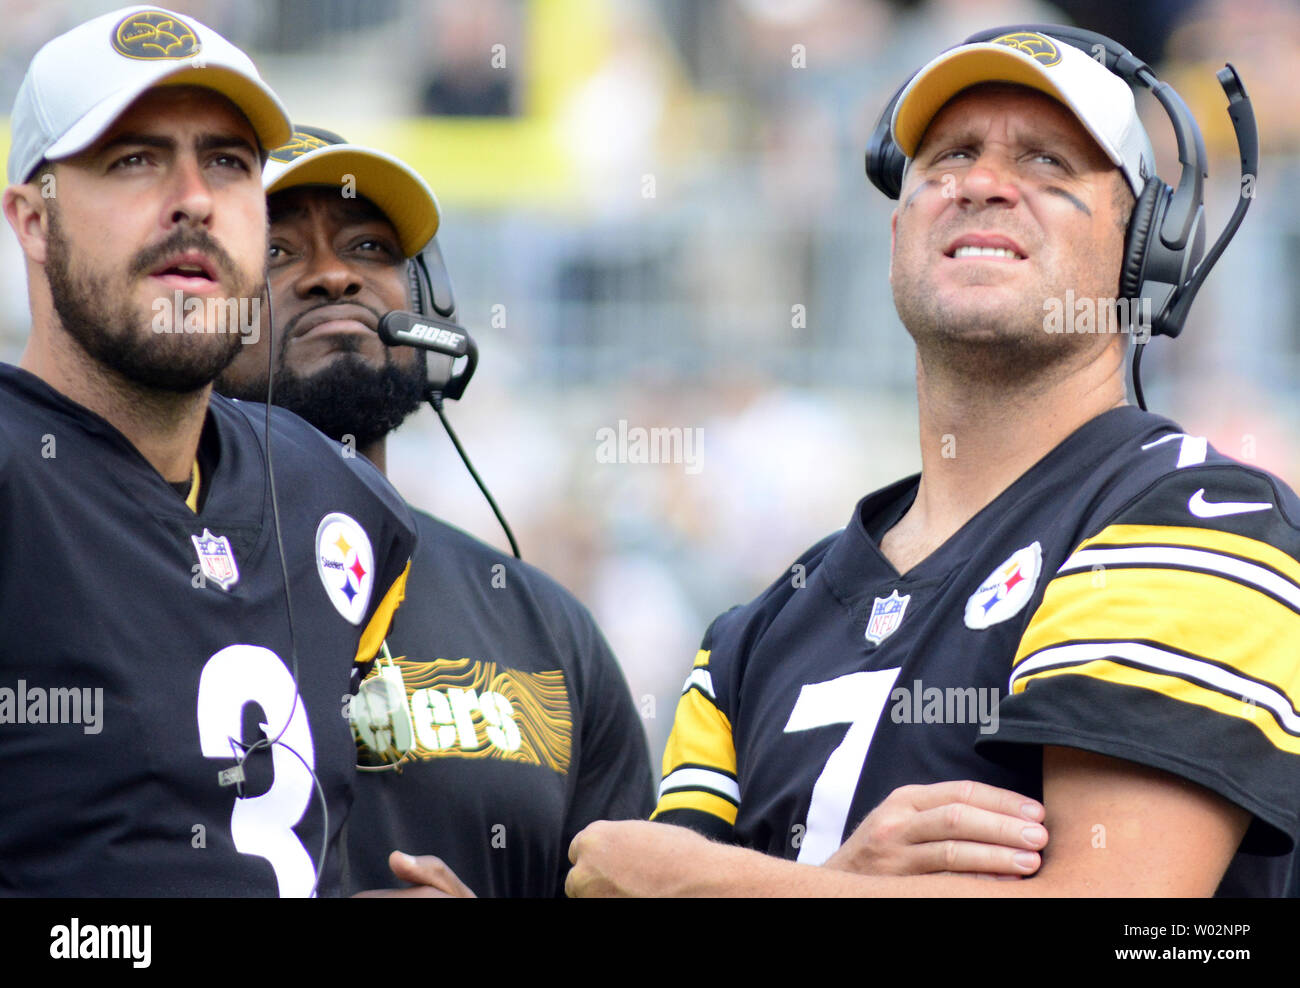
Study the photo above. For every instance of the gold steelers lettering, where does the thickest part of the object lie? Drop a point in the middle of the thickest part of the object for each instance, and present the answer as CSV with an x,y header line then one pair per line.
x,y
540,701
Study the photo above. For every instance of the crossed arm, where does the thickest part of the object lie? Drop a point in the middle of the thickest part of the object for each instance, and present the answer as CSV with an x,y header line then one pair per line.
x,y
948,826
1118,829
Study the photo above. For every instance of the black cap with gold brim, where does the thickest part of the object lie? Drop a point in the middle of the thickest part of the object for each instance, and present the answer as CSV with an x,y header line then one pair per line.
x,y
319,157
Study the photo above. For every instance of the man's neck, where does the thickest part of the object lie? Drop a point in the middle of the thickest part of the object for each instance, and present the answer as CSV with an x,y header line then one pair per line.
x,y
976,440
377,453
163,426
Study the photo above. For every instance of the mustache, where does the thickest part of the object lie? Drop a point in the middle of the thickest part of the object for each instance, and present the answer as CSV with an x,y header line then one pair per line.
x,y
187,239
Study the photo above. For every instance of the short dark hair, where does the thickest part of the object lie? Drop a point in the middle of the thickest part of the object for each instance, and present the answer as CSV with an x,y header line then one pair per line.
x,y
1124,200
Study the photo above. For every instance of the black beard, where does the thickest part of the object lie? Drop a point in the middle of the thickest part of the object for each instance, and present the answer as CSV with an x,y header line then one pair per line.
x,y
349,397
114,335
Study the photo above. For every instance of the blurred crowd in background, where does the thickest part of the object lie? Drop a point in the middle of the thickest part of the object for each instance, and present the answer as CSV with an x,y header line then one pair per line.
x,y
655,213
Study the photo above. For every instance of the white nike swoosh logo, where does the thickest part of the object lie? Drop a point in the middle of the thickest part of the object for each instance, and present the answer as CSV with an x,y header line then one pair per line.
x,y
1202,508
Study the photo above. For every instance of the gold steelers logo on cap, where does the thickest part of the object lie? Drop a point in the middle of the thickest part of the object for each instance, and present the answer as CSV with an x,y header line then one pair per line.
x,y
1040,48
151,34
299,144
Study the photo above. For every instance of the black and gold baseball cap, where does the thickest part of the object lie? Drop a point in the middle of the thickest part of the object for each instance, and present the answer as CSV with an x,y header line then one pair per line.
x,y
314,156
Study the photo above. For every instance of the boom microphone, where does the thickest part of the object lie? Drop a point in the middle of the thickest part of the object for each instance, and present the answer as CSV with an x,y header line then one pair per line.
x,y
441,336
450,341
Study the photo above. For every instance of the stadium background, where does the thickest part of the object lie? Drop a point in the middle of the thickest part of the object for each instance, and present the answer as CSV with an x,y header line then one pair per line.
x,y
655,213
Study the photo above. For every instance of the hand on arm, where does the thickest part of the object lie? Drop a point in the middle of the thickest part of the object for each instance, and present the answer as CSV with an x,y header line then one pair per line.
x,y
947,827
1161,836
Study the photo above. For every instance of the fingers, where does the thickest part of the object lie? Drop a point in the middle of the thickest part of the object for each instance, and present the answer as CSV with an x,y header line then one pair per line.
x,y
578,882
971,793
607,857
972,827
961,822
962,827
966,857
428,870
581,879
968,826
592,832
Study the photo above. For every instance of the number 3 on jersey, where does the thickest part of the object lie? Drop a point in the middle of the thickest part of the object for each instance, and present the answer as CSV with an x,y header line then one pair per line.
x,y
858,700
263,825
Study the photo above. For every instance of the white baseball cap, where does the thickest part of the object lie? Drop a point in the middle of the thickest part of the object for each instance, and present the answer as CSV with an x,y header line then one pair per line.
x,y
319,157
1100,99
78,84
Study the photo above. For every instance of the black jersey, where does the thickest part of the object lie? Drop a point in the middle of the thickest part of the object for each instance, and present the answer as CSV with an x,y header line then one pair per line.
x,y
510,720
147,644
1134,593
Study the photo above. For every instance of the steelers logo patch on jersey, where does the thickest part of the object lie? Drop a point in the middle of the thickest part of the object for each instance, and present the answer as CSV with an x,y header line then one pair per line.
x,y
1007,589
153,34
1039,47
346,564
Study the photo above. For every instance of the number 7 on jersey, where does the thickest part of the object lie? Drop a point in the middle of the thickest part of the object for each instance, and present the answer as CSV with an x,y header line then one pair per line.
x,y
857,699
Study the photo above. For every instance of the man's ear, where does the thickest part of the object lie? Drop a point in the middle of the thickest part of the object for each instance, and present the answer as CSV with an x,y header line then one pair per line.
x,y
27,212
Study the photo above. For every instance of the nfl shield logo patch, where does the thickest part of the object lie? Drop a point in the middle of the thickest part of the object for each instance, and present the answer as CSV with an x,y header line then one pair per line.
x,y
886,616
216,559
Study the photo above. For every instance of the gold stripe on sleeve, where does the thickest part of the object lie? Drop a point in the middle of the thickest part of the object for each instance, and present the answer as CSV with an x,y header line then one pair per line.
x,y
695,799
701,736
1199,613
377,630
1179,689
1198,538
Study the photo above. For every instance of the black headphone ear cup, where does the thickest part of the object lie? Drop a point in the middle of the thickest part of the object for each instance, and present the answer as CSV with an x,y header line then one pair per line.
x,y
885,164
1138,236
435,283
893,165
885,160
